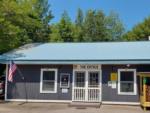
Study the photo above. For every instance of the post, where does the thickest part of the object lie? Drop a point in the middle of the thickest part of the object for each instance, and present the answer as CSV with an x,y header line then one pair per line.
x,y
6,82
148,38
144,92
86,85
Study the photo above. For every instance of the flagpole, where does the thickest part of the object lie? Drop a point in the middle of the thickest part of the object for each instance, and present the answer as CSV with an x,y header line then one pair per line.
x,y
25,87
12,68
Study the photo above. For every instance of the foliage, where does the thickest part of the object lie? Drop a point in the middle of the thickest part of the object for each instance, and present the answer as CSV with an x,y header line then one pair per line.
x,y
55,35
115,28
28,21
23,21
140,32
94,26
78,27
64,29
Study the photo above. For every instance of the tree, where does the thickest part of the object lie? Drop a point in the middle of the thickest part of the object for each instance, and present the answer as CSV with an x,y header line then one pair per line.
x,y
94,26
78,27
100,28
139,32
114,26
10,32
21,22
42,7
55,35
63,30
79,18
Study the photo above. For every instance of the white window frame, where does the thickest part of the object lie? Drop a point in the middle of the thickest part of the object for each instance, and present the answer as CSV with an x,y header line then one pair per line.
x,y
41,80
68,80
135,84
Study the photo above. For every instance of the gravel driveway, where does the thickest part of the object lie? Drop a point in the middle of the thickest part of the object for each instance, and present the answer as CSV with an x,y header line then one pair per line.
x,y
15,107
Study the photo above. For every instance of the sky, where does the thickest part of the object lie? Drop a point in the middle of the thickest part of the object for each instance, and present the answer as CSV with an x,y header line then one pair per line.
x,y
130,12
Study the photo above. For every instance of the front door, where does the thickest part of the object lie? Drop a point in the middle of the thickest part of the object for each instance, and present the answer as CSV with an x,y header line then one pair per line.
x,y
86,86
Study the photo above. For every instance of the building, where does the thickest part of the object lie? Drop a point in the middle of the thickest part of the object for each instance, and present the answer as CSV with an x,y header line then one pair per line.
x,y
85,72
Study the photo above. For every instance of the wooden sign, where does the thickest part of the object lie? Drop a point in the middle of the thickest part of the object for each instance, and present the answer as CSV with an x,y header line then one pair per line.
x,y
87,67
113,76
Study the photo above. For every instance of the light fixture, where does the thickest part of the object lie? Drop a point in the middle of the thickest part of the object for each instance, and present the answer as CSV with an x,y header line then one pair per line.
x,y
128,65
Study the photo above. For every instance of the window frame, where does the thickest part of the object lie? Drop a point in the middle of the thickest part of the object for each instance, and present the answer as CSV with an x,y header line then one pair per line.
x,y
41,80
134,82
68,74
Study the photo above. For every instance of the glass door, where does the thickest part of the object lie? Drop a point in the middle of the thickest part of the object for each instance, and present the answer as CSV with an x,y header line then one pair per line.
x,y
93,86
79,86
86,86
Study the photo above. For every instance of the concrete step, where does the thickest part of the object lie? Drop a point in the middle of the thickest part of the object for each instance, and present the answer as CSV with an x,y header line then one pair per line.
x,y
85,104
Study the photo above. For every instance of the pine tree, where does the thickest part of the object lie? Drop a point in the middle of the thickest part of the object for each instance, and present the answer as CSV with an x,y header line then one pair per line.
x,y
94,26
78,28
65,28
115,28
139,32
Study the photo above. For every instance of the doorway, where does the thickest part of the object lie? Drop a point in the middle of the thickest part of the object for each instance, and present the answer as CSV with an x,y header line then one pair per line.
x,y
86,86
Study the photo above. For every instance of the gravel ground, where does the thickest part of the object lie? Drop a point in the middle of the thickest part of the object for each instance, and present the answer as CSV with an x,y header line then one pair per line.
x,y
18,107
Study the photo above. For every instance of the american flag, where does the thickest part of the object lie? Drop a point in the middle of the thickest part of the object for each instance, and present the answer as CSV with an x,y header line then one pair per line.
x,y
12,69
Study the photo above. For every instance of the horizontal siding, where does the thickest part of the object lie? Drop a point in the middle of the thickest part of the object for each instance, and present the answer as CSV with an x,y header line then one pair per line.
x,y
30,87
109,94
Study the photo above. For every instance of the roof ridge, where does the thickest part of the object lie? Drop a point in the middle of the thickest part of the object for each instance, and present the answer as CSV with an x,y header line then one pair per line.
x,y
96,42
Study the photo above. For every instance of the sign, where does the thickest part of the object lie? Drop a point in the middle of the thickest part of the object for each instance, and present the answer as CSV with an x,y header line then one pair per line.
x,y
113,76
64,90
113,84
86,67
109,83
64,80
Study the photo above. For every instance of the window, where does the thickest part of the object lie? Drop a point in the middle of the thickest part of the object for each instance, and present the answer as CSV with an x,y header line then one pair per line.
x,y
93,79
48,82
127,81
79,79
64,80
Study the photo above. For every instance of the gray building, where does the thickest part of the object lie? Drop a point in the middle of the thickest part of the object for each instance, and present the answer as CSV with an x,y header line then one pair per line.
x,y
83,72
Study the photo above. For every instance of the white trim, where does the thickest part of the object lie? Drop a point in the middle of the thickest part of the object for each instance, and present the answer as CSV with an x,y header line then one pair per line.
x,y
101,85
6,81
86,84
32,100
73,80
99,81
69,101
120,103
73,73
41,79
68,80
135,84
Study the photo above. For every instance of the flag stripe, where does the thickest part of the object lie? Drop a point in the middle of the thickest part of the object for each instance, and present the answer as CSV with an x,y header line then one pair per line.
x,y
12,69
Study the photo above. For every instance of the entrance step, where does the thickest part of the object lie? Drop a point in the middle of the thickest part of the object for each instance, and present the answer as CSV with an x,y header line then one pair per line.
x,y
85,104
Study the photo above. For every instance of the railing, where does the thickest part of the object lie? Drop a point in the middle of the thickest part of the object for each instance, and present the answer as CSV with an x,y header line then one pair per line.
x,y
93,94
79,94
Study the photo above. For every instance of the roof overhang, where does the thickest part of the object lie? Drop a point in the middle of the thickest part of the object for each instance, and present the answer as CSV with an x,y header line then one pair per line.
x,y
77,62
